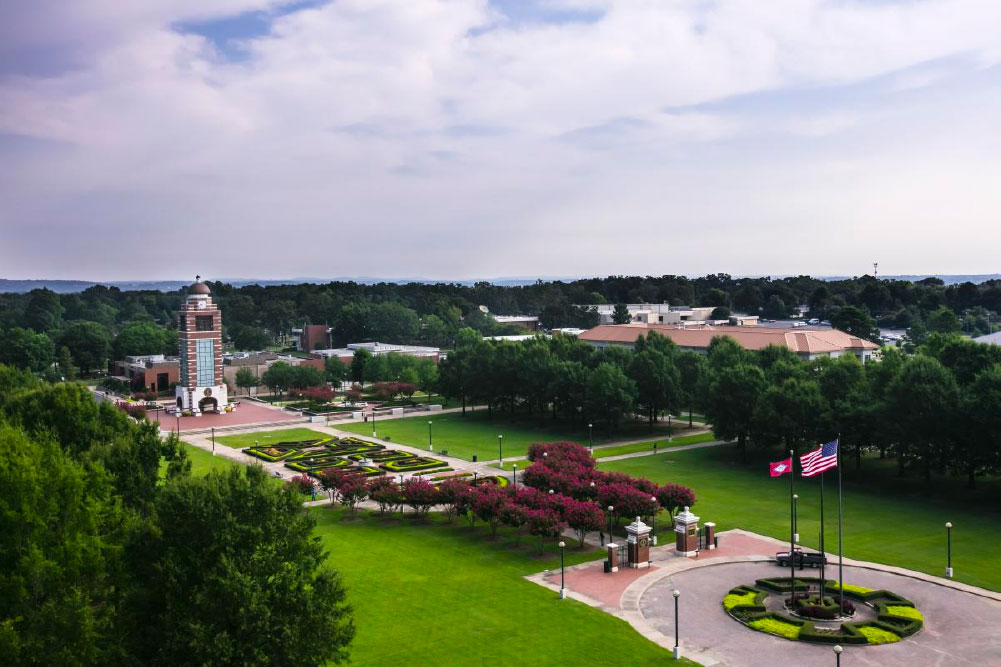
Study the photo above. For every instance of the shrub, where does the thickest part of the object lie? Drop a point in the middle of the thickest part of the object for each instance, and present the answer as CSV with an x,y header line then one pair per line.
x,y
875,635
411,464
818,612
302,484
352,491
775,626
849,588
738,600
904,612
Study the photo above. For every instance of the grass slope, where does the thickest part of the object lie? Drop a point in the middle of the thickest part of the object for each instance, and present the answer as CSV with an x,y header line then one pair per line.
x,y
899,522
269,437
476,433
445,595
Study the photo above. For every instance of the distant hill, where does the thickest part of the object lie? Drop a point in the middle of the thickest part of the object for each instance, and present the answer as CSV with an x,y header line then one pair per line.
x,y
71,286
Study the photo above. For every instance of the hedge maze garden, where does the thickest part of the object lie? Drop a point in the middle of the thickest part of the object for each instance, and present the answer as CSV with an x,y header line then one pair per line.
x,y
882,616
353,455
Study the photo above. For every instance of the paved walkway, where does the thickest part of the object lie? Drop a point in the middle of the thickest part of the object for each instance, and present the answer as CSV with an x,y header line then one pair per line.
x,y
967,615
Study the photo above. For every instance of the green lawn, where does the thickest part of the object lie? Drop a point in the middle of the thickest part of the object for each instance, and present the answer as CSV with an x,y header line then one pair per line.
x,y
202,461
886,520
476,433
447,595
267,437
603,452
648,446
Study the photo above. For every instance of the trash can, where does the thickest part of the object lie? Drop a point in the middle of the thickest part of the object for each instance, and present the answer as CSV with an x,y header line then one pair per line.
x,y
474,458
608,567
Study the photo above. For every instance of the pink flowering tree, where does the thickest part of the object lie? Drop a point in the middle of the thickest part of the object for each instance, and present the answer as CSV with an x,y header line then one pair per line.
x,y
386,492
420,495
302,483
543,524
352,490
515,516
673,497
583,517
329,479
454,494
488,504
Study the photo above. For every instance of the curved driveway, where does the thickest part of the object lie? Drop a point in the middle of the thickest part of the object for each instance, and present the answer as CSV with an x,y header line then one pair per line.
x,y
960,629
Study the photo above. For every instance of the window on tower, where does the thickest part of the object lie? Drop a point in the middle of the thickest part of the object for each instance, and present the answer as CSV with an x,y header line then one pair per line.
x,y
203,323
204,363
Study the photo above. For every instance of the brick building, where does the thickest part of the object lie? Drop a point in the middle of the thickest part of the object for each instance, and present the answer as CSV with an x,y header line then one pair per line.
x,y
200,387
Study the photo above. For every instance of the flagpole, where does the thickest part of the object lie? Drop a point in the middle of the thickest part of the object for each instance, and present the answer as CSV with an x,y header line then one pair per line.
x,y
841,577
823,553
792,533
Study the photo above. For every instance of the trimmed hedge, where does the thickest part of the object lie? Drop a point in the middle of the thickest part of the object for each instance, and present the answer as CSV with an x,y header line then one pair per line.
x,y
412,464
896,616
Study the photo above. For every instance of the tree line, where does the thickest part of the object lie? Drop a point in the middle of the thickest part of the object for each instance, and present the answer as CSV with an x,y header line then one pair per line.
x,y
936,410
101,322
110,560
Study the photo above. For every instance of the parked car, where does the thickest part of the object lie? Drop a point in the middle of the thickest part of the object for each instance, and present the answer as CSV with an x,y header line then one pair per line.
x,y
815,320
801,558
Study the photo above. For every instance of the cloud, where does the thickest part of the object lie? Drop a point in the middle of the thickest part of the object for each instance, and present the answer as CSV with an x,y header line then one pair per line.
x,y
452,138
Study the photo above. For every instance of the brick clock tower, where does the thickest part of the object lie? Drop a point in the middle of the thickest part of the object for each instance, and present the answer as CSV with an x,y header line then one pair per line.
x,y
201,387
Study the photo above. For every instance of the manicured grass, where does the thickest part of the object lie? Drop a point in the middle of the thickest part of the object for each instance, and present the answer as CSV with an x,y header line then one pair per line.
x,y
269,437
476,433
648,446
898,522
446,595
202,461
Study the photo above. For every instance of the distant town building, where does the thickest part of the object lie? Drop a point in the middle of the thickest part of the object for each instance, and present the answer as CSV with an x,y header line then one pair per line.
x,y
807,343
346,354
653,313
524,321
154,372
200,387
990,339
311,337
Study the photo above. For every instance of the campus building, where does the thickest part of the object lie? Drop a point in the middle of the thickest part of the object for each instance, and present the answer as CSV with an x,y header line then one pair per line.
x,y
807,343
200,387
654,313
347,354
311,337
153,372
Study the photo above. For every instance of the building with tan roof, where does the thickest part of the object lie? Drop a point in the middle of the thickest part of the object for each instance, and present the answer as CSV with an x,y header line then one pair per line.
x,y
807,343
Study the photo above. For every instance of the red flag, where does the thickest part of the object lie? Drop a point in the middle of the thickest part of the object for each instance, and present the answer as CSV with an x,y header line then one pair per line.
x,y
780,468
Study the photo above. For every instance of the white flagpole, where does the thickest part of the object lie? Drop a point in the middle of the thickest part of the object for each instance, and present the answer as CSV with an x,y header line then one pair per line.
x,y
841,576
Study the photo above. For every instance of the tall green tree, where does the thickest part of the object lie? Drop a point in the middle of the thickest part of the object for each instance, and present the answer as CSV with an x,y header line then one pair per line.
x,y
245,379
278,377
610,394
856,321
65,362
924,400
230,574
141,337
979,445
792,413
88,343
56,582
731,400
620,314
23,348
44,311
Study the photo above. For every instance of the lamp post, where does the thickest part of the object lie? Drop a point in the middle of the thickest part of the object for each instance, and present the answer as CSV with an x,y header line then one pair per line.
x,y
213,441
611,508
795,519
430,446
837,654
677,645
373,424
590,437
653,522
948,549
500,450
177,429
475,474
514,477
563,590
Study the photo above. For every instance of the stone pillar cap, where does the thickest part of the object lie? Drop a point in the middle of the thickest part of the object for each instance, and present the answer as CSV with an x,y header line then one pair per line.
x,y
686,517
638,526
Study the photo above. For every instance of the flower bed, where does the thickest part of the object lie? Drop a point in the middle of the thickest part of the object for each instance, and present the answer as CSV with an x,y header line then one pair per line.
x,y
412,463
896,617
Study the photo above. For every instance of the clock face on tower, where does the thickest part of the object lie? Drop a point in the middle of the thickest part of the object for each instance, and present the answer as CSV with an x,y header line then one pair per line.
x,y
201,305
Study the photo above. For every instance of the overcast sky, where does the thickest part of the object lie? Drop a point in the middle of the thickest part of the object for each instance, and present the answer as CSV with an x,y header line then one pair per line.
x,y
466,138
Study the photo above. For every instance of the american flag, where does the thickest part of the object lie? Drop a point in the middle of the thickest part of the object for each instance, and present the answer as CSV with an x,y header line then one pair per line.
x,y
822,458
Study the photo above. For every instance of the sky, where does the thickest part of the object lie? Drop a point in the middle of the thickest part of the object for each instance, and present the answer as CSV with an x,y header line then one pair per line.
x,y
458,139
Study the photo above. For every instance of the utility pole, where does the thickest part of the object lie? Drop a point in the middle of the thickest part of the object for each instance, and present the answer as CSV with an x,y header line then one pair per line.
x,y
875,269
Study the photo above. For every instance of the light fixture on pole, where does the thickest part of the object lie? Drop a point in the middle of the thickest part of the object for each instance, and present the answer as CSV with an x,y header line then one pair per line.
x,y
563,589
430,446
948,549
514,477
837,654
213,441
500,450
677,644
653,522
795,518
373,424
590,438
611,508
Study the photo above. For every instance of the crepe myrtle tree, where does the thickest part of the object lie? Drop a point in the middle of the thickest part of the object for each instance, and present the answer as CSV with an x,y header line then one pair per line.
x,y
515,516
583,517
386,493
454,494
544,523
420,495
489,501
352,491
